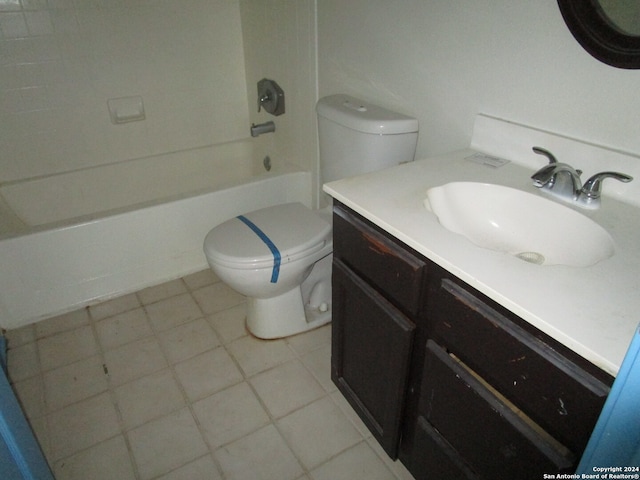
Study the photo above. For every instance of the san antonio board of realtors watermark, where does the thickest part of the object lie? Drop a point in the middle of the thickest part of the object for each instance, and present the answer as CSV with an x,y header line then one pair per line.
x,y
599,473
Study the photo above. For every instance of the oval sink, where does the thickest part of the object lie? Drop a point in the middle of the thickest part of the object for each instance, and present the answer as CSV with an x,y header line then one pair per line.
x,y
529,227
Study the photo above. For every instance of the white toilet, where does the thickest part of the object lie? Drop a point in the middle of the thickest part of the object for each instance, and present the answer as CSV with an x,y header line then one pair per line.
x,y
280,257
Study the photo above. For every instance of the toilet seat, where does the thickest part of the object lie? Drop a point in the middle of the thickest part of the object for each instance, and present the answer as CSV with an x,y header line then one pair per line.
x,y
293,229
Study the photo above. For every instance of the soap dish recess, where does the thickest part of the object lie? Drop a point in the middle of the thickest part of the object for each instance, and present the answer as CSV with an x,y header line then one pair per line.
x,y
126,109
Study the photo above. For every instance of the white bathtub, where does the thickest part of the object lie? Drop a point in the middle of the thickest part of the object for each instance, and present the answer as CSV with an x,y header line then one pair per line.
x,y
126,227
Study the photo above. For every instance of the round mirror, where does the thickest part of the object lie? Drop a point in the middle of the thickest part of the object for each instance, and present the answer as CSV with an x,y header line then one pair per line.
x,y
607,29
624,14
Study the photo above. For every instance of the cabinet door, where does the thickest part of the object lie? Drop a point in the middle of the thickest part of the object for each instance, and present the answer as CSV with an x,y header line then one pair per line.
x,y
371,350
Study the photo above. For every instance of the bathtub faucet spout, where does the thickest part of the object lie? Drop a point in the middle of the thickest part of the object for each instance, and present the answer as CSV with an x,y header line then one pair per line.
x,y
262,128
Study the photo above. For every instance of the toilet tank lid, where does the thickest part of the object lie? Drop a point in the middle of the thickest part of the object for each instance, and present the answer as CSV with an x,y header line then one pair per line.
x,y
363,116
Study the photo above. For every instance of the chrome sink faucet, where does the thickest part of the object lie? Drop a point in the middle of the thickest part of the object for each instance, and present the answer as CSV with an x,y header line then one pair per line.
x,y
563,181
560,179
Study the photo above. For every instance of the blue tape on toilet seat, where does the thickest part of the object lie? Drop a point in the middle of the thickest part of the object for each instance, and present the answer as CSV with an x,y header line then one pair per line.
x,y
274,250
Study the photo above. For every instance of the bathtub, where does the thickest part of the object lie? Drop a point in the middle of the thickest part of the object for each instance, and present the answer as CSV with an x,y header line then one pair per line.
x,y
74,239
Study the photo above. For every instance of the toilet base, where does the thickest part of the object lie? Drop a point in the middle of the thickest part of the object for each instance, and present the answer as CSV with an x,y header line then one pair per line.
x,y
303,308
282,316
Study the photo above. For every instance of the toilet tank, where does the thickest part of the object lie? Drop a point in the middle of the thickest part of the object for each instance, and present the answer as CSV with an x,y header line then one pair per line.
x,y
358,137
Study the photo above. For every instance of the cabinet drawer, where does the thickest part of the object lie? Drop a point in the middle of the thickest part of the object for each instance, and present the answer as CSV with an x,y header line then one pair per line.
x,y
379,260
493,439
435,458
549,387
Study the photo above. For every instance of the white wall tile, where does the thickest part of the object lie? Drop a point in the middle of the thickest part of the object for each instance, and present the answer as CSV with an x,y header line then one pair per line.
x,y
9,5
13,25
34,4
286,30
185,58
39,22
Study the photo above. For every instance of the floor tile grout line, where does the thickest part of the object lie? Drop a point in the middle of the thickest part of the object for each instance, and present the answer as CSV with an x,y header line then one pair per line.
x,y
171,367
91,308
49,455
379,452
188,403
330,394
48,452
206,455
272,420
276,421
109,386
114,400
298,354
45,414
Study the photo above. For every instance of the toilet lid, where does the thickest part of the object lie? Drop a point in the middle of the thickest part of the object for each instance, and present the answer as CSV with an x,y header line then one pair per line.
x,y
281,233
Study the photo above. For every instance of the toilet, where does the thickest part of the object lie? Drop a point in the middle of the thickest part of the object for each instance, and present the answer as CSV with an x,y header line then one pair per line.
x,y
280,257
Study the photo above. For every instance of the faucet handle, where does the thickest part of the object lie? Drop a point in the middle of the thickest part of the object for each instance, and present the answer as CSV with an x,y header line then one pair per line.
x,y
552,161
545,175
593,187
546,153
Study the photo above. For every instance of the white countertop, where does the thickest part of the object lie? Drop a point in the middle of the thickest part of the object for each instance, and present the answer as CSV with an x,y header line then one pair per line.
x,y
592,310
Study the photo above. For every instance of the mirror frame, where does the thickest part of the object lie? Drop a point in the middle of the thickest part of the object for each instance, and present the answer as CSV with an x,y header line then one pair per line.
x,y
598,35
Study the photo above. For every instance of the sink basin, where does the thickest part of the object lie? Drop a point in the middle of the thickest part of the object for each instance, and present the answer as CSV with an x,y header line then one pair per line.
x,y
522,224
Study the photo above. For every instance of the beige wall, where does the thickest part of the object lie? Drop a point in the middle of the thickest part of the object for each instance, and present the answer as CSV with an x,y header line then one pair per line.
x,y
445,61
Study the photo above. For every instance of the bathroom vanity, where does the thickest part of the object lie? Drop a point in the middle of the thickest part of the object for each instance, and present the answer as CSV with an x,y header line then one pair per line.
x,y
445,378
465,362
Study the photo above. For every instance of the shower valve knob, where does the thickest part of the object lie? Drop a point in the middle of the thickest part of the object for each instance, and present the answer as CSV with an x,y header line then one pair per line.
x,y
270,97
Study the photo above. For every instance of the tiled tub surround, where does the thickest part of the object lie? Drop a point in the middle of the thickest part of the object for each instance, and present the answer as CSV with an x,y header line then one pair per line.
x,y
166,384
62,60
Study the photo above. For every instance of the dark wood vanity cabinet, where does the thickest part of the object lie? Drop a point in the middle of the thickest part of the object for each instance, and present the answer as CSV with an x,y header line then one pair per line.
x,y
371,349
377,289
558,389
446,379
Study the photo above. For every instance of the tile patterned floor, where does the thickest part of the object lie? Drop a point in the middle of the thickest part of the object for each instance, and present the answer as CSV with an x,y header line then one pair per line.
x,y
166,384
